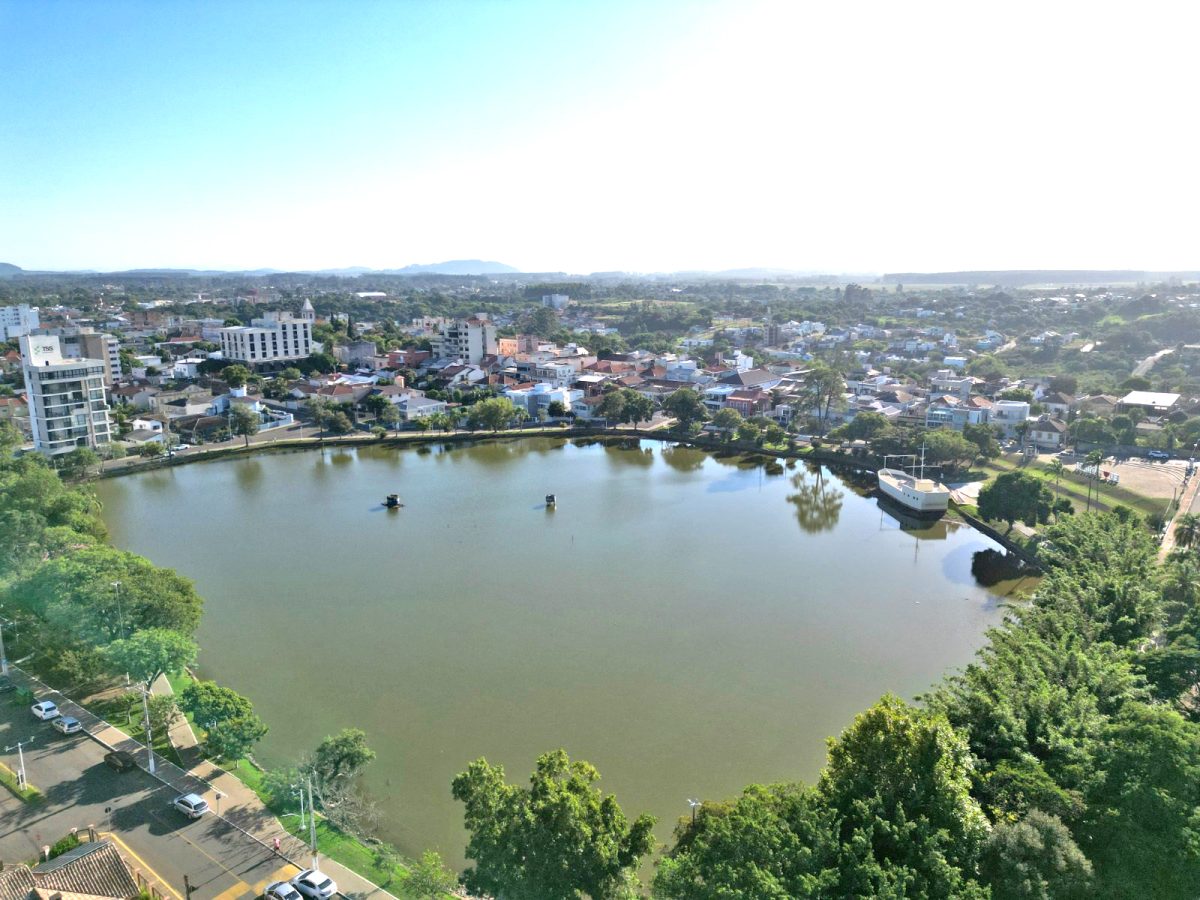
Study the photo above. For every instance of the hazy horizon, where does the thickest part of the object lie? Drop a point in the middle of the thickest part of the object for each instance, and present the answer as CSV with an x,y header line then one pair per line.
x,y
618,136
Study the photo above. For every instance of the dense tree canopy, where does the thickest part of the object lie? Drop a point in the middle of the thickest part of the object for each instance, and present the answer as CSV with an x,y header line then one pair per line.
x,y
558,839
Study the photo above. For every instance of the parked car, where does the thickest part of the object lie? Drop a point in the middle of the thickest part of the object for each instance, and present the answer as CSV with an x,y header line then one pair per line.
x,y
6,685
281,890
68,724
191,805
314,884
120,761
45,710
1159,454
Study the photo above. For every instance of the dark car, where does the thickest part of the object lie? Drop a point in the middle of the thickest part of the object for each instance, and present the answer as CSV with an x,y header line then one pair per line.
x,y
120,761
6,685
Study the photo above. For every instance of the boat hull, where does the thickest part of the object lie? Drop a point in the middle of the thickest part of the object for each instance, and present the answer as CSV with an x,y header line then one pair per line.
x,y
928,500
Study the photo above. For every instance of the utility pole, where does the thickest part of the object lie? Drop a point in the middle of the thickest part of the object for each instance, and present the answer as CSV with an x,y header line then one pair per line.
x,y
312,823
187,888
3,655
303,820
146,717
21,782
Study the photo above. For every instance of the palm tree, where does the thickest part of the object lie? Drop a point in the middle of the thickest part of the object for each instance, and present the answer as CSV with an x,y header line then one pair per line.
x,y
1187,530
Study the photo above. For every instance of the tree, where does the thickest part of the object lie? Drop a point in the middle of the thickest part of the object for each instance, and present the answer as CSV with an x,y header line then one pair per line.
x,y
79,461
864,426
76,593
1187,530
228,718
1016,496
1067,385
389,416
151,653
983,437
1035,858
556,409
494,413
429,879
387,859
774,842
244,422
151,450
686,406
943,445
339,423
1017,394
164,712
749,432
291,373
728,420
343,756
824,387
898,786
557,839
236,375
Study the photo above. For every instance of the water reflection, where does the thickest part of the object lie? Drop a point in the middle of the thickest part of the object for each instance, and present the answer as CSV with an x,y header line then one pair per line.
x,y
682,458
249,473
818,500
629,453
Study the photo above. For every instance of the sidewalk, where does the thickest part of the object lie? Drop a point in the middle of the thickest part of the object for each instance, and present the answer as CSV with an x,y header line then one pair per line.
x,y
1185,506
228,797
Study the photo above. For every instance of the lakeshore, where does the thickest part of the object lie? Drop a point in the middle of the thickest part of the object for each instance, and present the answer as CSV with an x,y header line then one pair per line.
x,y
730,612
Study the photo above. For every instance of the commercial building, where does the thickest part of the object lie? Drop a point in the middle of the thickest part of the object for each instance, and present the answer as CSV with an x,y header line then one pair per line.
x,y
87,343
273,341
66,397
466,341
17,320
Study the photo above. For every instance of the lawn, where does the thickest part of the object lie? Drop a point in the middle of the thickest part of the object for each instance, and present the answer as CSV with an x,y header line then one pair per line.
x,y
1074,488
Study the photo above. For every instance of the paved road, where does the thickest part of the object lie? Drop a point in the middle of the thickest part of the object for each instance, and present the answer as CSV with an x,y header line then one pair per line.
x,y
80,790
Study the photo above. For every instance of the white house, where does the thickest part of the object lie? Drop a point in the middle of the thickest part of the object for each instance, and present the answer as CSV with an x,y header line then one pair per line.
x,y
1009,415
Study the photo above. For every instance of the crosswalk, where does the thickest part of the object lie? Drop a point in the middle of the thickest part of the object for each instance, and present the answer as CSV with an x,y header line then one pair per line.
x,y
244,889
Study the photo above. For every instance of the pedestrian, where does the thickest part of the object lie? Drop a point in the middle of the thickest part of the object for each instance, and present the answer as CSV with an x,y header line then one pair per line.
x,y
276,842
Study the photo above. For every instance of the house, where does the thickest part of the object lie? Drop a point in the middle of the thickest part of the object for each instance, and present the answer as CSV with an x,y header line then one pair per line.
x,y
92,870
1057,404
1103,405
1047,434
1009,415
749,401
1150,402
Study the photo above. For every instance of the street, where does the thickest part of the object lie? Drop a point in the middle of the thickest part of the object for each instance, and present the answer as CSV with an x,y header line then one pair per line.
x,y
219,860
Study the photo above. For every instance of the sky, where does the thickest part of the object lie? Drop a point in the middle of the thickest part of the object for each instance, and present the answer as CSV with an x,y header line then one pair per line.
x,y
599,135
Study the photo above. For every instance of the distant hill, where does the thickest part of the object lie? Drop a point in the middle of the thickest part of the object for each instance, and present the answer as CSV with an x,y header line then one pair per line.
x,y
1020,277
8,270
455,267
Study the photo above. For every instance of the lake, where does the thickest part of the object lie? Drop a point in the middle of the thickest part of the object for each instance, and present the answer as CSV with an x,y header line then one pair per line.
x,y
687,624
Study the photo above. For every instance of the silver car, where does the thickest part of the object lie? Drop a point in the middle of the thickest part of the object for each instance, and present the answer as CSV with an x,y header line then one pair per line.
x,y
281,890
45,710
314,884
68,724
191,805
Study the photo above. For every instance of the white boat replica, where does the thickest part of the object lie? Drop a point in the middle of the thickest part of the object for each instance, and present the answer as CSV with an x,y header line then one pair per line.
x,y
914,492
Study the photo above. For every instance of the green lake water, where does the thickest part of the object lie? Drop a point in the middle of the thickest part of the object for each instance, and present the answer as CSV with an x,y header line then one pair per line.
x,y
686,624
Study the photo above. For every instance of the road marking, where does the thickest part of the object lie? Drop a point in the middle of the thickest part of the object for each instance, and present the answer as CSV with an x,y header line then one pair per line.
x,y
240,889
283,873
166,884
220,865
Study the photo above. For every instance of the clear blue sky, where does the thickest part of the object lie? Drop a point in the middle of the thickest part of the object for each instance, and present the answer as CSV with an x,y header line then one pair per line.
x,y
585,136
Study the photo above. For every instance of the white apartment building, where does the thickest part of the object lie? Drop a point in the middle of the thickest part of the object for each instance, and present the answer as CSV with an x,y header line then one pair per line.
x,y
17,320
467,340
66,397
272,341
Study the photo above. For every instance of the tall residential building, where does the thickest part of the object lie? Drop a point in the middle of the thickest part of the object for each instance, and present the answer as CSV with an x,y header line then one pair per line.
x,y
272,341
467,340
66,397
17,320
87,343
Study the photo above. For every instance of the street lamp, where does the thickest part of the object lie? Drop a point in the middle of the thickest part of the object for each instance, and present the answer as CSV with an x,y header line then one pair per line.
x,y
21,782
694,804
146,717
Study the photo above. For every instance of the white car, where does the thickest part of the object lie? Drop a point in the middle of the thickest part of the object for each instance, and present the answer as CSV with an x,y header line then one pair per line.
x,y
45,710
68,724
314,884
281,890
191,805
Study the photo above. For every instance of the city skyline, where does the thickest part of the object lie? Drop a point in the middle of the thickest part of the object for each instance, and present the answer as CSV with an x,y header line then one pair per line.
x,y
633,137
